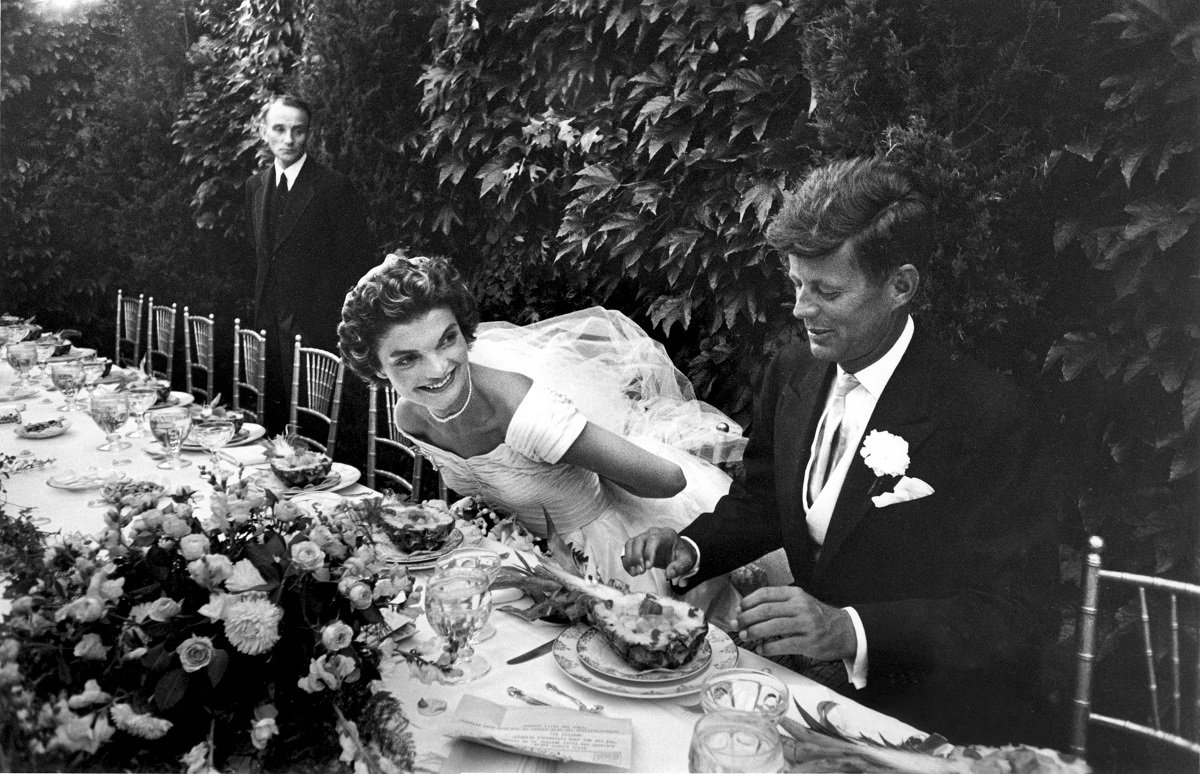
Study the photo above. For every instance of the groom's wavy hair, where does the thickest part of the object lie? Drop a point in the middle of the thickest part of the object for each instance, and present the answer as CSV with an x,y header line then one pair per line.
x,y
873,204
399,291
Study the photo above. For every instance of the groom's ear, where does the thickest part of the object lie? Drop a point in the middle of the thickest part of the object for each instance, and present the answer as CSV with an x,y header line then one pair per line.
x,y
903,284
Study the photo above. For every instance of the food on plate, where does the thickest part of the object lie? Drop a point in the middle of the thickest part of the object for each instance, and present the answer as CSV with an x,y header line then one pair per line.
x,y
296,465
126,492
649,631
423,527
34,428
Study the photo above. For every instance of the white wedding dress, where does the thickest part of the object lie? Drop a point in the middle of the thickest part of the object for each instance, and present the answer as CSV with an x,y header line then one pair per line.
x,y
596,365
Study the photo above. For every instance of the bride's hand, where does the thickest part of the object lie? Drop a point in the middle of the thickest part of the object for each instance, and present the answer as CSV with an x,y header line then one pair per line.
x,y
658,547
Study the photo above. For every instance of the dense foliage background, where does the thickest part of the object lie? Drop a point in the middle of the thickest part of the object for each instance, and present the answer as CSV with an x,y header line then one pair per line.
x,y
630,153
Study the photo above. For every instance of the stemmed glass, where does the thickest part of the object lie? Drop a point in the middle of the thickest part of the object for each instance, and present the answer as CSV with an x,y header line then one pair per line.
x,y
68,378
458,603
211,433
22,357
44,347
13,334
474,558
109,412
93,369
141,398
170,426
734,741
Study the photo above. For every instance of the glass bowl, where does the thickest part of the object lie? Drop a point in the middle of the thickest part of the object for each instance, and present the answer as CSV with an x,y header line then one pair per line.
x,y
747,690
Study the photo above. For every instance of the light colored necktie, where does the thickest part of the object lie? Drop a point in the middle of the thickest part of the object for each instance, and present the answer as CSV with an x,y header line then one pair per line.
x,y
831,441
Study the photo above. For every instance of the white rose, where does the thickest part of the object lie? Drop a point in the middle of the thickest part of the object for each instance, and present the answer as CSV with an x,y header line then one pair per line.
x,y
885,454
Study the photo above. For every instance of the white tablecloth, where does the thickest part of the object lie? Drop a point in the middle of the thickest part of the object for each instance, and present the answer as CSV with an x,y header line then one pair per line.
x,y
662,728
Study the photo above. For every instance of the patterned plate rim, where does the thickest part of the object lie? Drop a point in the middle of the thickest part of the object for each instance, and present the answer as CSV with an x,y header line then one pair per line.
x,y
424,559
725,655
693,665
22,433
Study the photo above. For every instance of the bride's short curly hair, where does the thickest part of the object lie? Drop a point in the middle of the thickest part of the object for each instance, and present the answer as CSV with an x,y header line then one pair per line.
x,y
398,291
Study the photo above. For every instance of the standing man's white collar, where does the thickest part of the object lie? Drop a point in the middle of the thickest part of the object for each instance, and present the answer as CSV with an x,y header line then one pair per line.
x,y
291,173
875,376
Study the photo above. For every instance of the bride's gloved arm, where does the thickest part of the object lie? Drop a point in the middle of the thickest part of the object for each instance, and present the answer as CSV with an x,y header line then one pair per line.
x,y
626,464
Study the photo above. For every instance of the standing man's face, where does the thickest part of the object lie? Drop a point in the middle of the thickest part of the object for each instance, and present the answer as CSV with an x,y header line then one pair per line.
x,y
285,130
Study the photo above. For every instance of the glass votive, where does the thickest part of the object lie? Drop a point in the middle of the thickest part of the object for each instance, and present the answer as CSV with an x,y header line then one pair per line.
x,y
747,690
734,741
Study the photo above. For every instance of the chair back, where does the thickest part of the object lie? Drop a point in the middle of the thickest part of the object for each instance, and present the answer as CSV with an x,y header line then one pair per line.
x,y
160,340
317,377
382,436
249,367
198,354
1160,609
127,348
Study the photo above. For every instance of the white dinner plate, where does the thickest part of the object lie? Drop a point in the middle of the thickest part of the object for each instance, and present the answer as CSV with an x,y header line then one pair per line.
x,y
566,653
78,482
176,398
74,353
49,432
417,560
17,392
249,433
340,476
599,656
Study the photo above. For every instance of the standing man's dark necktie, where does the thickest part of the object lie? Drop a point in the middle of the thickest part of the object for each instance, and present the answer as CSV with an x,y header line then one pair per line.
x,y
279,198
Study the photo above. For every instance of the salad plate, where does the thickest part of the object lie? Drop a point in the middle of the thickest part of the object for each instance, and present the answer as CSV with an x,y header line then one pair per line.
x,y
79,482
340,476
566,655
249,433
50,429
599,656
176,398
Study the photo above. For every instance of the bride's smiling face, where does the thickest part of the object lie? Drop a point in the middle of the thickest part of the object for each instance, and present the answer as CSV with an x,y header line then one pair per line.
x,y
425,360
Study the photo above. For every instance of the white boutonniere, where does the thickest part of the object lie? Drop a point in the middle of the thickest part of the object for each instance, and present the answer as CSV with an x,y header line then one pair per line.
x,y
886,455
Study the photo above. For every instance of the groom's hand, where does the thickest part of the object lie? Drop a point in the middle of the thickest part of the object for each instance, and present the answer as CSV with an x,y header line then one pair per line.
x,y
796,622
658,547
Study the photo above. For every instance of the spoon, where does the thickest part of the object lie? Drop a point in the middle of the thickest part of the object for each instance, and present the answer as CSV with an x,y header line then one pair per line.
x,y
517,693
582,705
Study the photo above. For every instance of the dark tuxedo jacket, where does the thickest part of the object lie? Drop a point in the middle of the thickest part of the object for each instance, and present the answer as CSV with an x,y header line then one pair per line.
x,y
316,254
952,588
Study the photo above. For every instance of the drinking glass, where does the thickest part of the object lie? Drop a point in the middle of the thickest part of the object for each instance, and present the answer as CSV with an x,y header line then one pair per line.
x,y
68,378
746,690
110,411
457,603
733,741
13,334
22,357
141,398
170,426
44,347
475,558
211,433
93,369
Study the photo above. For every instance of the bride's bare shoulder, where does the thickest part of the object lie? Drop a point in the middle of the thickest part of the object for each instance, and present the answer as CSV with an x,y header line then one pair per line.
x,y
506,389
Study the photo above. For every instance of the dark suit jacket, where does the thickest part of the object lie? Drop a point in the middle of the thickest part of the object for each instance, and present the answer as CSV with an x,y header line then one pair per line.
x,y
316,255
952,588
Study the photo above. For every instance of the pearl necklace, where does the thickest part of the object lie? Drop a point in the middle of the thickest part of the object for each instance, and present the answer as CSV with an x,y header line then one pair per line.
x,y
467,402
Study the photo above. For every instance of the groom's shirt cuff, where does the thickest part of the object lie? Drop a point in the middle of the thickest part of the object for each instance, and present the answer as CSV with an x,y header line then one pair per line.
x,y
856,670
695,567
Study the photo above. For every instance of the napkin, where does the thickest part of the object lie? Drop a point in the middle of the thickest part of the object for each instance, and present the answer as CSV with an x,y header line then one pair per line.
x,y
906,489
545,732
245,455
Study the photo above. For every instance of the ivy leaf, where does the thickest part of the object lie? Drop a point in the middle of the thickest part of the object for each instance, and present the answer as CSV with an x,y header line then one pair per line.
x,y
761,197
652,110
668,310
596,177
493,173
1190,407
745,85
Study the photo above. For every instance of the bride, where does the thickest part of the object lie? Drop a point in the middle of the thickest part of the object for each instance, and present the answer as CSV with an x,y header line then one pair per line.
x,y
582,416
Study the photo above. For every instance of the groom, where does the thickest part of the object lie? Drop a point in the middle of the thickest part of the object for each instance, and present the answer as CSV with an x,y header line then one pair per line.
x,y
922,573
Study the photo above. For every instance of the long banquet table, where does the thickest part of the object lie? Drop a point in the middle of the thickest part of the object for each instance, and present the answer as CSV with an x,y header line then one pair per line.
x,y
662,726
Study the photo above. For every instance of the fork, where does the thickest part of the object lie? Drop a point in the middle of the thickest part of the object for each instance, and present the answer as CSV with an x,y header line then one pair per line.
x,y
581,704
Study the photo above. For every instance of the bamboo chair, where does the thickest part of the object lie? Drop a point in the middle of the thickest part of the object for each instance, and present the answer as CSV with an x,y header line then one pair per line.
x,y
129,329
198,353
391,439
1166,716
160,339
249,367
317,377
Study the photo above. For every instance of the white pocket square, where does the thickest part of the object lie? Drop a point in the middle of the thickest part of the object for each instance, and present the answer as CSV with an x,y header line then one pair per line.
x,y
906,489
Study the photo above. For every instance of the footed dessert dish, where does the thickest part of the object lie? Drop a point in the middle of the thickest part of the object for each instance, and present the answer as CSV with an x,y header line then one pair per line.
x,y
410,528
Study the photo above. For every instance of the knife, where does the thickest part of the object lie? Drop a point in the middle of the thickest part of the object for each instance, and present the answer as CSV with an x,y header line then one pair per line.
x,y
540,650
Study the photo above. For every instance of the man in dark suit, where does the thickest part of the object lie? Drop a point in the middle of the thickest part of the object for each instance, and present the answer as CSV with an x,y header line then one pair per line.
x,y
311,244
922,569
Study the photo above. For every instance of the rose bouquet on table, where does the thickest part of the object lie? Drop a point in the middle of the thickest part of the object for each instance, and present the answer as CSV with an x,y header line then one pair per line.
x,y
175,640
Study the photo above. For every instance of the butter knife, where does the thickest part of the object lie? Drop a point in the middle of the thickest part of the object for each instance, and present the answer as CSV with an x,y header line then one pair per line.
x,y
540,650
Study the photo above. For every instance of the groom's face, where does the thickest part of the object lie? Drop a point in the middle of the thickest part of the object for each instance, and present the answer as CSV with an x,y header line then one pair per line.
x,y
850,318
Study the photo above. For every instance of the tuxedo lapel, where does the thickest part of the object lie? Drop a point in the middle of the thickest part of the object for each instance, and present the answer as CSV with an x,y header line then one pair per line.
x,y
903,411
297,199
261,215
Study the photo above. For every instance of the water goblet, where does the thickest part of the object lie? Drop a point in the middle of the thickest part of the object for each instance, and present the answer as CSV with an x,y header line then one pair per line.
x,y
93,369
44,347
170,426
458,603
68,378
478,558
13,334
141,398
211,433
109,412
22,357
734,741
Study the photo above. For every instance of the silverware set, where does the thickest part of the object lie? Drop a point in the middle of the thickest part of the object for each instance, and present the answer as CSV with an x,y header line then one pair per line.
x,y
517,693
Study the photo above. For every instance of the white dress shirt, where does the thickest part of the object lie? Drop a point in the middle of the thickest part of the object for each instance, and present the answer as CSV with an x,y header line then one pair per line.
x,y
291,173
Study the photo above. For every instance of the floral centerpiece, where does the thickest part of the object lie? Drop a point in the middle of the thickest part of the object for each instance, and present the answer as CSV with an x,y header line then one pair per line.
x,y
249,637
